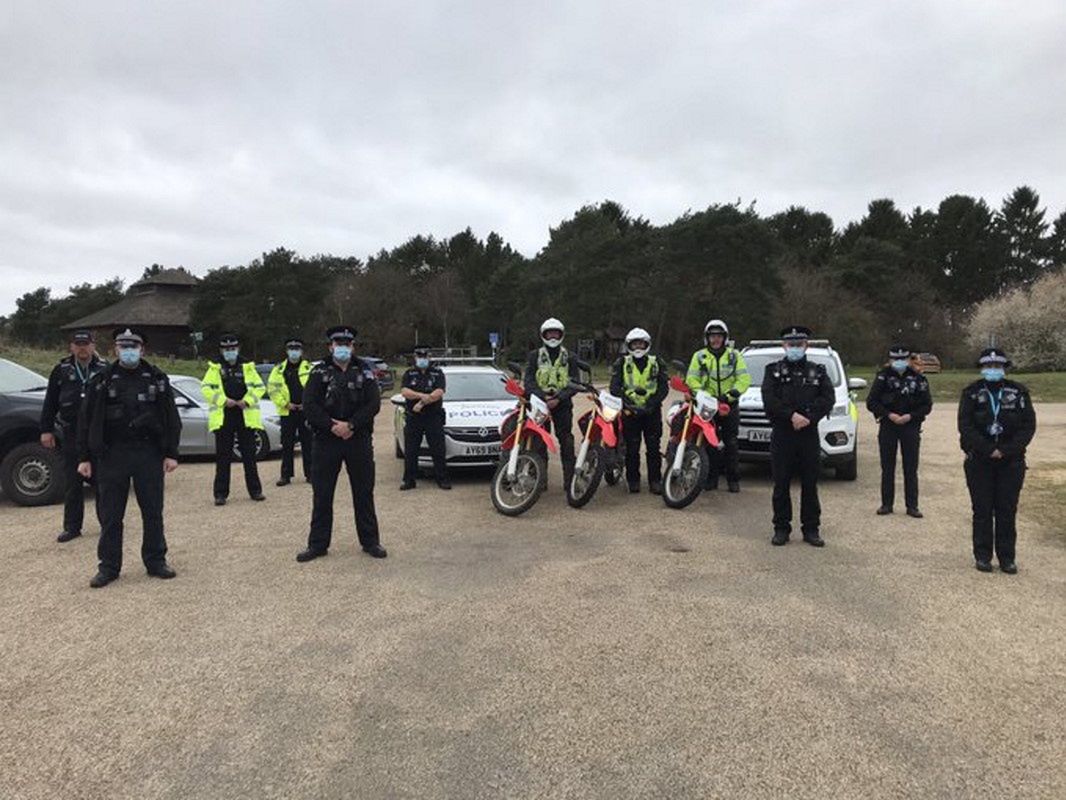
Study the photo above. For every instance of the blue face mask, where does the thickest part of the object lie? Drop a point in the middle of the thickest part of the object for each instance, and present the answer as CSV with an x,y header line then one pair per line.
x,y
899,364
230,356
342,352
795,353
993,374
421,363
294,355
129,356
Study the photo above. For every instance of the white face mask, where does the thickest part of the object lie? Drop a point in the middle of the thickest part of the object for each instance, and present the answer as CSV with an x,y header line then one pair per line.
x,y
552,342
638,352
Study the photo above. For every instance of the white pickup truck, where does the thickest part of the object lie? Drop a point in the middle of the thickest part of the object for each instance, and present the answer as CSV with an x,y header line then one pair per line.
x,y
837,433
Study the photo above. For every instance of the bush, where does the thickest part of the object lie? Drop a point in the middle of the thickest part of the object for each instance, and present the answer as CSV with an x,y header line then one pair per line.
x,y
1027,323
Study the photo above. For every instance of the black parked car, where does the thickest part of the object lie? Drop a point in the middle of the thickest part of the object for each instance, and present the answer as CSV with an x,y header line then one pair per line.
x,y
30,474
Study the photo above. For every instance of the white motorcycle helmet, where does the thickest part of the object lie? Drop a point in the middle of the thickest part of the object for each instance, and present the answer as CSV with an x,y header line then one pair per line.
x,y
715,326
638,335
552,324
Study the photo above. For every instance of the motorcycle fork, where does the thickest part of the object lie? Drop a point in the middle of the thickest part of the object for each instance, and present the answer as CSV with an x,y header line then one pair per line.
x,y
679,454
512,457
583,451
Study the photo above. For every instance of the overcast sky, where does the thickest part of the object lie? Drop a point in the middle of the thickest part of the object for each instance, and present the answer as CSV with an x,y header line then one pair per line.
x,y
202,133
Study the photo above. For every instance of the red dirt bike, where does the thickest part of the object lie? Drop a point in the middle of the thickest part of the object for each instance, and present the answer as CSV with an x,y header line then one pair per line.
x,y
602,451
692,431
522,472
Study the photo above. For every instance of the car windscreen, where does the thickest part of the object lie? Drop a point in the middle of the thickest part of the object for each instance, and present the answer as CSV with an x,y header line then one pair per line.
x,y
475,386
16,378
190,387
757,363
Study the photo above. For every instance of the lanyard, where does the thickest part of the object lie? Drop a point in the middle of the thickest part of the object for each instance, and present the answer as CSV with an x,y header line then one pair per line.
x,y
996,402
84,378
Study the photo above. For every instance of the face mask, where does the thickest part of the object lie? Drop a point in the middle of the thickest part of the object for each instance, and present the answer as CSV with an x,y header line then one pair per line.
x,y
129,356
638,352
342,352
553,342
230,356
899,364
993,374
294,355
795,353
421,363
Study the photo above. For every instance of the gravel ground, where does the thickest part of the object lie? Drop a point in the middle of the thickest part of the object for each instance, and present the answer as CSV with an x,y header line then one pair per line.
x,y
624,650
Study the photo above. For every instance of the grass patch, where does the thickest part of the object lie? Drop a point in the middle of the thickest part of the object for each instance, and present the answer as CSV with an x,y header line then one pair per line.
x,y
1044,387
43,360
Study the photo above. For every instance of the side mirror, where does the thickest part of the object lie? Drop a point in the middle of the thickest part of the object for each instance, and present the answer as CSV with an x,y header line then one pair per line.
x,y
397,400
857,383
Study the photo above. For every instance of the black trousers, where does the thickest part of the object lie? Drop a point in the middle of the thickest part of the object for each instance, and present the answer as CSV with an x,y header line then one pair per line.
x,y
74,491
796,452
907,439
994,486
562,424
429,425
357,456
293,427
142,463
727,459
648,426
233,427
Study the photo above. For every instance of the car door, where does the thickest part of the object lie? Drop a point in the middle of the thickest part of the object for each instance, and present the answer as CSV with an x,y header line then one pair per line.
x,y
193,412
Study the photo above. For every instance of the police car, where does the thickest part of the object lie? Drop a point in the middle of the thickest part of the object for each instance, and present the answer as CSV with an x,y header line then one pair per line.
x,y
837,433
475,404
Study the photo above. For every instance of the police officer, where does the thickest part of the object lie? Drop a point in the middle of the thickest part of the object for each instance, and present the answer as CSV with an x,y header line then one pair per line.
x,y
721,371
549,372
59,422
900,401
996,423
286,389
423,391
796,394
233,389
128,430
340,400
639,379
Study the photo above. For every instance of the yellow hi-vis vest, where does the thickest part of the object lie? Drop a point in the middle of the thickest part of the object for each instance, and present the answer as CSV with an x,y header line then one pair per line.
x,y
215,395
634,378
278,389
553,377
719,376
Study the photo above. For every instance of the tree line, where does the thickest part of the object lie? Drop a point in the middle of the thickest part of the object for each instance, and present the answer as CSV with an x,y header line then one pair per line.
x,y
917,276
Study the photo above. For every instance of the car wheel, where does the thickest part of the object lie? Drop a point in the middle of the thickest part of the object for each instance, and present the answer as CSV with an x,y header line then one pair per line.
x,y
32,475
849,470
262,446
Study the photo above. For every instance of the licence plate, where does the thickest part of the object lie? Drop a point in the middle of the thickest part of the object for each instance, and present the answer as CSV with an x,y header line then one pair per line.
x,y
755,434
483,450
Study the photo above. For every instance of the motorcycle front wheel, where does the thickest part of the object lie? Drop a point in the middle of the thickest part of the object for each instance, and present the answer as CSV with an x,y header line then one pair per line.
x,y
586,480
514,497
682,486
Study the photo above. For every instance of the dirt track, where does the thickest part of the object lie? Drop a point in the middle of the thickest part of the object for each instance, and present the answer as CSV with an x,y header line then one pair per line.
x,y
620,651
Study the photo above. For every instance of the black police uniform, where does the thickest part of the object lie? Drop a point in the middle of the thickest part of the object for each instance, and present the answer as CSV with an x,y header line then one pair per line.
x,y
796,387
350,394
562,416
899,393
994,417
127,425
233,427
429,422
642,421
67,386
294,426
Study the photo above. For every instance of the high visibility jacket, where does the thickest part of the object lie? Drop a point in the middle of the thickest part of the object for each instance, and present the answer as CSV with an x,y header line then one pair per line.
x,y
553,377
725,376
278,389
215,395
634,378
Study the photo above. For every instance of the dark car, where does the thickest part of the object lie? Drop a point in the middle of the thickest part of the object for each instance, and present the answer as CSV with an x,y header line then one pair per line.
x,y
30,475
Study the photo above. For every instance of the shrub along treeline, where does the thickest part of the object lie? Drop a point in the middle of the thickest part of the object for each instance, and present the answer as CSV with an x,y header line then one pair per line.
x,y
920,277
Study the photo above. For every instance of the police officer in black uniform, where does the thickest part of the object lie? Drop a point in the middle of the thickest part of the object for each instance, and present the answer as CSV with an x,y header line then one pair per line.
x,y
128,430
340,400
796,394
996,424
294,423
900,401
59,422
423,390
